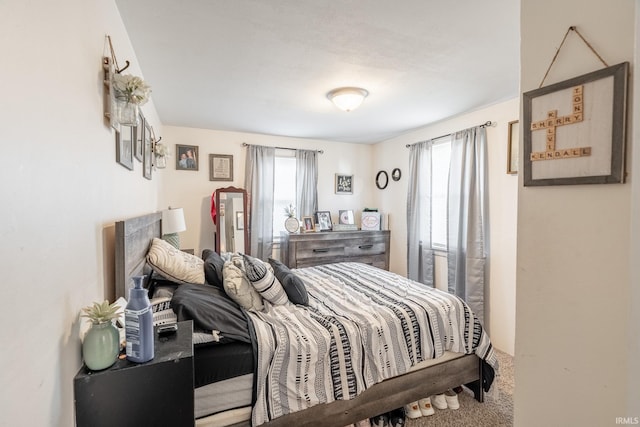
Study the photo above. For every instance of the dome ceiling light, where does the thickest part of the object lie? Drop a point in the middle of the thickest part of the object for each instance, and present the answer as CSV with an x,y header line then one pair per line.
x,y
347,98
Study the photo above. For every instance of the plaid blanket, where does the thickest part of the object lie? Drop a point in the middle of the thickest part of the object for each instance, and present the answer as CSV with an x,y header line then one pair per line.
x,y
362,326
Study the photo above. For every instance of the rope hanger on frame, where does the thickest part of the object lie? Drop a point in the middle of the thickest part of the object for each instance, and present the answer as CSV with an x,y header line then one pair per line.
x,y
574,29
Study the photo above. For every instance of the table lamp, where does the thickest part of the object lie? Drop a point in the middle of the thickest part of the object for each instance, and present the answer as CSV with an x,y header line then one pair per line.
x,y
172,224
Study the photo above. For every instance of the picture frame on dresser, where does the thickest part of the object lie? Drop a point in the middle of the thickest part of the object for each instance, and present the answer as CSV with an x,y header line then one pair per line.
x,y
323,219
308,224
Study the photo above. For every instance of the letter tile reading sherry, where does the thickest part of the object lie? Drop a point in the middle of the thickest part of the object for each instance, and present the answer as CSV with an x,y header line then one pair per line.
x,y
552,122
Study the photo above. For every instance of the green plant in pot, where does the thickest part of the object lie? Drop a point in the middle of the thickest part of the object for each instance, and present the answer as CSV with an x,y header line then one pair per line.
x,y
101,344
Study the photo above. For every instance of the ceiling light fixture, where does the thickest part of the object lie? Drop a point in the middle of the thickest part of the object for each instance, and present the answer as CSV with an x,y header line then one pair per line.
x,y
347,98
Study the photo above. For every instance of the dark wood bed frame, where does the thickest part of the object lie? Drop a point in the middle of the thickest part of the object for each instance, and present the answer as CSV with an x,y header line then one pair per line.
x,y
133,237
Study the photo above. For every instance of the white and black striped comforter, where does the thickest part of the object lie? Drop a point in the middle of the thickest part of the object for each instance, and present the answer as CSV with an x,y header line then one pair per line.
x,y
363,325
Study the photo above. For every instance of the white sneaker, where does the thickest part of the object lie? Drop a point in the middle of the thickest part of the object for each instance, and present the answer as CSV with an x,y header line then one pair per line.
x,y
451,397
425,407
439,401
412,410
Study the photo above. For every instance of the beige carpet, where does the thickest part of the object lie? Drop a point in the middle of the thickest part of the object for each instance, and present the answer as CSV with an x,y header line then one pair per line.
x,y
496,410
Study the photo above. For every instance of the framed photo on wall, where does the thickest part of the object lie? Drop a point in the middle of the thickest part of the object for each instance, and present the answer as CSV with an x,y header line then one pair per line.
x,y
220,167
138,141
187,157
512,147
147,155
124,146
574,131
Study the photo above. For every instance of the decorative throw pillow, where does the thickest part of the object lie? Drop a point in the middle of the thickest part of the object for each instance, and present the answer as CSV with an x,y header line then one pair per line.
x,y
162,311
213,268
239,289
265,282
292,284
174,264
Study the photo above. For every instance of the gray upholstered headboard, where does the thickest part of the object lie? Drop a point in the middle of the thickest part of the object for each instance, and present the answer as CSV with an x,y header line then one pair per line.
x,y
133,237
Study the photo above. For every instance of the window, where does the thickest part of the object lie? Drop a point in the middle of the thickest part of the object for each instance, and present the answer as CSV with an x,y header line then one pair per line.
x,y
440,157
284,191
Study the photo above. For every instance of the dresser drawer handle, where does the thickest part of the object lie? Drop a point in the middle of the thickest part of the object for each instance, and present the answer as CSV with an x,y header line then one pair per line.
x,y
321,250
365,246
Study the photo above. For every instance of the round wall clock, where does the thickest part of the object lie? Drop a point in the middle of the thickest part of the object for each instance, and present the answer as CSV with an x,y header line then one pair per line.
x,y
291,224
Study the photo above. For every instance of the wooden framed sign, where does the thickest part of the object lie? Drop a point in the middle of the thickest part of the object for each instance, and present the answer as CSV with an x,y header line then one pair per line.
x,y
574,131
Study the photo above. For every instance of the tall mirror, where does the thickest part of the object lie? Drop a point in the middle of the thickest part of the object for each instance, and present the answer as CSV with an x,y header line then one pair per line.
x,y
232,234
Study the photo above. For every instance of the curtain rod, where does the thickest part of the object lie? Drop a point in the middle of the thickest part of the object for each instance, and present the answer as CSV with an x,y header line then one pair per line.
x,y
244,144
484,125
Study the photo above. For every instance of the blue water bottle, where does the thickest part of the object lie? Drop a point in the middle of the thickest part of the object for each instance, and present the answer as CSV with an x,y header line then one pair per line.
x,y
138,323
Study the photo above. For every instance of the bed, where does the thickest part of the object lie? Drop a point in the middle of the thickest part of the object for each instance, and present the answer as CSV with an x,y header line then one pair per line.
x,y
231,396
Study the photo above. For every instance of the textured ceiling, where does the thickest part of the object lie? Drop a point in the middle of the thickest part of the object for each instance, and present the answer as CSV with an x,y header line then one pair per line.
x,y
265,66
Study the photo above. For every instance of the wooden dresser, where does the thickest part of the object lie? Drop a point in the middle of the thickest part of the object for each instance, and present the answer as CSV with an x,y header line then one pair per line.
x,y
308,249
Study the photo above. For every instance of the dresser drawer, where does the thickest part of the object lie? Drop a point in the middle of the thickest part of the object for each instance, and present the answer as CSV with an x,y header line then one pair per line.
x,y
320,248
357,249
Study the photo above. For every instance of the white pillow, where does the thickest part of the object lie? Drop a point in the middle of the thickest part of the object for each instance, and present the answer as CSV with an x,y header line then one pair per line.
x,y
239,289
174,264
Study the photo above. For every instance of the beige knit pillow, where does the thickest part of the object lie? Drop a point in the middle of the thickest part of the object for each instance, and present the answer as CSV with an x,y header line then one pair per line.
x,y
174,264
239,289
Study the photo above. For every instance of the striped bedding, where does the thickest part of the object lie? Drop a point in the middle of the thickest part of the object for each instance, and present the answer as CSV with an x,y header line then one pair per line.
x,y
362,326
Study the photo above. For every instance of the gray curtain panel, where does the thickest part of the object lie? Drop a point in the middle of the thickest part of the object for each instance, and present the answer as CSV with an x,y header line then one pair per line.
x,y
468,226
420,261
306,182
259,182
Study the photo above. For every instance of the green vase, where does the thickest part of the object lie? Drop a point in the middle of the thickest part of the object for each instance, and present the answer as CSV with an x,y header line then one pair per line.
x,y
101,346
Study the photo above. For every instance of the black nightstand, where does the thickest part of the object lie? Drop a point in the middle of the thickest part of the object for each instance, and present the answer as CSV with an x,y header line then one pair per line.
x,y
156,393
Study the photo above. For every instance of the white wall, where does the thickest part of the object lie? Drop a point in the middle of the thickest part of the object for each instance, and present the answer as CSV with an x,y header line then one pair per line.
x,y
500,303
192,190
573,269
633,391
61,193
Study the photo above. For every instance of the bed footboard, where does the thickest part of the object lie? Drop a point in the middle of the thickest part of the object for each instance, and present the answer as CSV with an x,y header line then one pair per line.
x,y
389,394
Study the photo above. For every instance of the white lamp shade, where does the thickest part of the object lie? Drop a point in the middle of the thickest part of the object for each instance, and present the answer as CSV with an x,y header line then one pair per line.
x,y
347,98
173,221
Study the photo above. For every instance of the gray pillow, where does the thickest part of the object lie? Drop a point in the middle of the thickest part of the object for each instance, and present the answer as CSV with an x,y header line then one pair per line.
x,y
213,268
292,284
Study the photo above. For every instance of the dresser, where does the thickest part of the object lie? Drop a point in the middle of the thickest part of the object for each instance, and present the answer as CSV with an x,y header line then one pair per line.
x,y
308,249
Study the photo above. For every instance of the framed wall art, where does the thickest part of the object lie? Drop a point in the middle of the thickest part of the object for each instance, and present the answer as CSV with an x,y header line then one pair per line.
x,y
187,157
344,184
574,131
147,154
124,146
138,141
512,147
220,167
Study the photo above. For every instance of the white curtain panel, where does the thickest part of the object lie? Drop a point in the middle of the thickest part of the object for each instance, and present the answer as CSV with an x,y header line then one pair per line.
x,y
468,227
259,182
420,261
306,182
